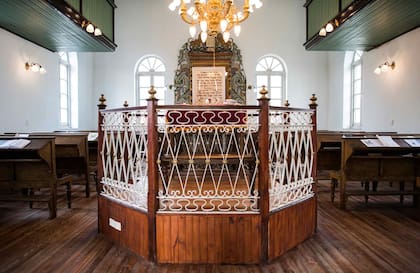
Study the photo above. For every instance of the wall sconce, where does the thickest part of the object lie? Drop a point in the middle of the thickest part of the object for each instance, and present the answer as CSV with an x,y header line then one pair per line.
x,y
385,67
35,67
90,28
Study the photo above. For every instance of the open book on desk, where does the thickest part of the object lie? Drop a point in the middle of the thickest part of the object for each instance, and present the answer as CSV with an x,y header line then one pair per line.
x,y
413,142
380,141
14,143
92,136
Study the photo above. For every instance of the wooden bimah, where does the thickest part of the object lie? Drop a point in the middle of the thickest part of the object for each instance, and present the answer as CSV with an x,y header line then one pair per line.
x,y
207,183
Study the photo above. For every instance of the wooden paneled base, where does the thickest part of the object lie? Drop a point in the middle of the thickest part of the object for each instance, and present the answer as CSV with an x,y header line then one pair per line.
x,y
222,239
132,223
288,227
207,238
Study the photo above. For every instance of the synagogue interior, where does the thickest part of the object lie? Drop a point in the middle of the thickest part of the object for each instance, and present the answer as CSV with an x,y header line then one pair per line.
x,y
209,136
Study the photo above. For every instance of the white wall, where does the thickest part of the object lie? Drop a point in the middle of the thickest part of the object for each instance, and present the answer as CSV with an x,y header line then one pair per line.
x,y
149,27
390,101
30,101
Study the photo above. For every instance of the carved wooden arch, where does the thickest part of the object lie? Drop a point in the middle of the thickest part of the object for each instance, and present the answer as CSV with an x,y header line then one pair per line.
x,y
195,53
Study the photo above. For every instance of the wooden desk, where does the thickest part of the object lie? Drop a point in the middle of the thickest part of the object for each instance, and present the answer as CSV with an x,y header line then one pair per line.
x,y
377,164
72,156
31,167
329,148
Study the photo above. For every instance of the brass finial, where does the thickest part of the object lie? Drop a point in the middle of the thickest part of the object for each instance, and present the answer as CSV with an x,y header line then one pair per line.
x,y
263,93
313,100
102,100
125,104
152,92
286,103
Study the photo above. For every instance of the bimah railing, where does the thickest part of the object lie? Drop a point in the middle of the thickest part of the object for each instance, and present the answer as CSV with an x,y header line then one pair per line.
x,y
207,158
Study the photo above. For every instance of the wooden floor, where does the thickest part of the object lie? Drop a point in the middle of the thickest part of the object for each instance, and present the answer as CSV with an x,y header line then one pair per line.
x,y
382,236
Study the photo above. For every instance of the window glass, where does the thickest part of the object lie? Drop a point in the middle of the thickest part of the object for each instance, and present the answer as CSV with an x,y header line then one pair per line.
x,y
271,72
150,71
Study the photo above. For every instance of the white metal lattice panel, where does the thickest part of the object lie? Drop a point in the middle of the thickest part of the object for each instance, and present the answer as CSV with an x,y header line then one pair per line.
x,y
291,157
124,157
208,161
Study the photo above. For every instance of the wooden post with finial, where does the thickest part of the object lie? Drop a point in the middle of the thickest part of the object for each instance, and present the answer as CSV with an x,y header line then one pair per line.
x,y
286,103
101,106
313,106
125,104
99,168
152,152
263,170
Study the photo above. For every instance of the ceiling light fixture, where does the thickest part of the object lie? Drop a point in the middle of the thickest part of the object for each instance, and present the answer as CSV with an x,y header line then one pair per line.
x,y
91,28
214,16
328,28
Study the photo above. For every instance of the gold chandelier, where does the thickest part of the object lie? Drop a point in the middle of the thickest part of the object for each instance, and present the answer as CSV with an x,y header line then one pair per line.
x,y
214,16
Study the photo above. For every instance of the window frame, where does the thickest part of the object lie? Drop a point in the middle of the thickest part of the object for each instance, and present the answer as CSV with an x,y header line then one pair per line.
x,y
152,74
356,62
269,73
66,64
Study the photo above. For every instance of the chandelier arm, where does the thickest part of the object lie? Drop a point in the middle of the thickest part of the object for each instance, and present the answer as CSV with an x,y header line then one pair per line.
x,y
228,5
186,19
199,10
245,11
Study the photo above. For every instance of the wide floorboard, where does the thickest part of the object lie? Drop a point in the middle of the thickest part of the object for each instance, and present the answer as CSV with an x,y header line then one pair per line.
x,y
382,236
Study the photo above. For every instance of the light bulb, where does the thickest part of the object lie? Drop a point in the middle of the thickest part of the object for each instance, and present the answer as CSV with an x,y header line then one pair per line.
x,y
377,70
177,2
223,25
90,28
258,4
203,36
35,67
322,32
329,27
226,36
193,31
171,6
191,11
42,70
203,26
384,67
237,30
187,1
97,31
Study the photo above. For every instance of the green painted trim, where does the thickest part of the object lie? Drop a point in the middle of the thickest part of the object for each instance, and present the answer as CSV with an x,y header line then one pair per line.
x,y
345,4
100,13
74,3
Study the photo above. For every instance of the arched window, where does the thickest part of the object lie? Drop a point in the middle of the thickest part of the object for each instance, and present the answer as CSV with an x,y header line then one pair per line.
x,y
69,116
356,90
271,72
150,71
